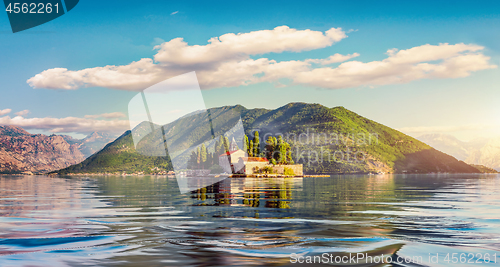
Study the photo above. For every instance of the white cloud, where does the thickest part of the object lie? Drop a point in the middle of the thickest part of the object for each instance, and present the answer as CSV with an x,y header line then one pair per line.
x,y
22,112
175,12
127,77
226,62
177,57
112,115
422,62
333,59
5,111
68,124
230,46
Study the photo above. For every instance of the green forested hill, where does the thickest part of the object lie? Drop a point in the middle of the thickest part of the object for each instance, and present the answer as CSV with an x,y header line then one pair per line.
x,y
118,156
332,140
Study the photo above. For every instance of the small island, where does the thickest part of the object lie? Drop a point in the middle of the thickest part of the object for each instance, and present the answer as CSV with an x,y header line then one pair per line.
x,y
276,159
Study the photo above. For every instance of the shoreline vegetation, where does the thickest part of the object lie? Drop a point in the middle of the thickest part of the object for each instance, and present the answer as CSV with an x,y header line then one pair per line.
x,y
267,175
259,175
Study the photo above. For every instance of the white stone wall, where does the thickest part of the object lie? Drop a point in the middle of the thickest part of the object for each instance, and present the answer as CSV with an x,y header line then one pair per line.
x,y
249,167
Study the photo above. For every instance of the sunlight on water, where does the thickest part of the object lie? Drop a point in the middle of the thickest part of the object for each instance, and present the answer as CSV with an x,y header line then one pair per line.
x,y
145,221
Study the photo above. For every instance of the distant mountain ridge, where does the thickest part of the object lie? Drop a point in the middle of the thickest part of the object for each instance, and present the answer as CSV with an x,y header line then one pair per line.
x,y
23,152
394,152
91,143
488,155
479,151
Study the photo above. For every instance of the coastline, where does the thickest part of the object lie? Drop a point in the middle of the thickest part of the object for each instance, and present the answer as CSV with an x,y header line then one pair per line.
x,y
240,175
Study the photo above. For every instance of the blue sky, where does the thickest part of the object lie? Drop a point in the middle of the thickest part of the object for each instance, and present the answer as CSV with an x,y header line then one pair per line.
x,y
96,34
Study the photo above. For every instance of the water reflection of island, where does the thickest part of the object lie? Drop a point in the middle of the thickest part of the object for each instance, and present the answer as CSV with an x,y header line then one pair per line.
x,y
249,192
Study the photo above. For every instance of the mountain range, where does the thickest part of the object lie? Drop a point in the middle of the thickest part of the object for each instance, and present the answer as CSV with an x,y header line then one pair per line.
x,y
330,132
23,152
91,143
483,151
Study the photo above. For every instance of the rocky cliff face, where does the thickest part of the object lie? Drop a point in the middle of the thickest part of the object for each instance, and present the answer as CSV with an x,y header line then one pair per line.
x,y
22,152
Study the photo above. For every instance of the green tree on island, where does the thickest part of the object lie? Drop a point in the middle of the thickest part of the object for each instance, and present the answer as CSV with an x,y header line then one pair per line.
x,y
245,143
277,151
271,144
226,144
203,156
219,146
282,150
250,149
198,157
256,144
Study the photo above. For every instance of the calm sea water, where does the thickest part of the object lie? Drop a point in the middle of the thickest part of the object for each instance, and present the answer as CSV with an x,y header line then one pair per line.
x,y
145,221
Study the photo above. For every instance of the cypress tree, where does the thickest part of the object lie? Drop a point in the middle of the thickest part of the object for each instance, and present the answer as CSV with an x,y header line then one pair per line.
x,y
289,159
245,144
220,145
192,160
275,151
250,149
203,155
198,157
226,144
282,150
270,147
256,144
210,159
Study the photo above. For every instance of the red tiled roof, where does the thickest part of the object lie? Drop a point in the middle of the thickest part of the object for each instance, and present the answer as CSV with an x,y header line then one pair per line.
x,y
230,152
254,159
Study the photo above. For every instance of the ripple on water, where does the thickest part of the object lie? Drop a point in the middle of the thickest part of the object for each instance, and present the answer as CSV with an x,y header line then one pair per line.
x,y
144,221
